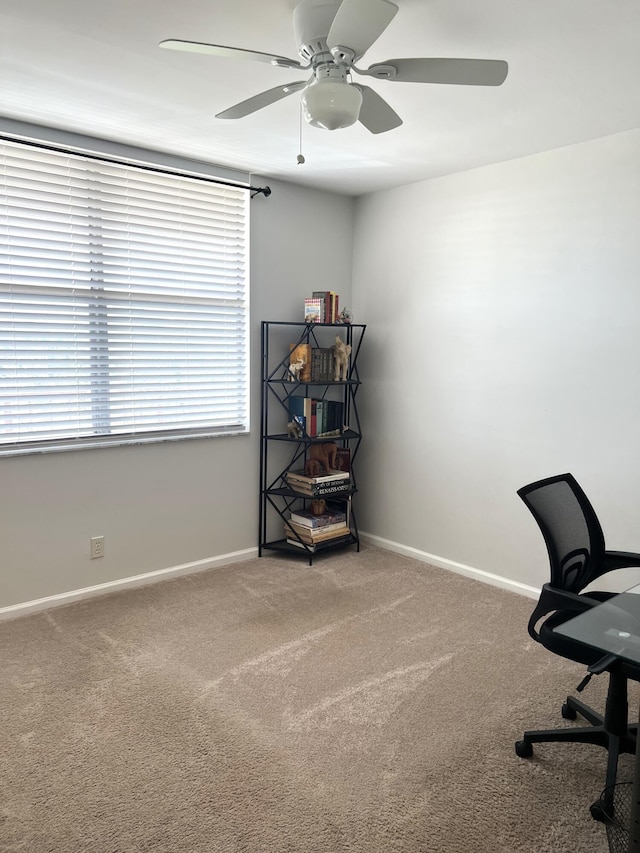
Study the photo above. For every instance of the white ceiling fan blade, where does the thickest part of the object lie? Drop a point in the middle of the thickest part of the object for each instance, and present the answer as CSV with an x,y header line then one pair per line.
x,y
257,102
468,72
358,23
230,52
375,113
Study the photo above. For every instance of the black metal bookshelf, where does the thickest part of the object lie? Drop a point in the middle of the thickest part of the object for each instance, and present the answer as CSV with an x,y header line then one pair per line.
x,y
281,452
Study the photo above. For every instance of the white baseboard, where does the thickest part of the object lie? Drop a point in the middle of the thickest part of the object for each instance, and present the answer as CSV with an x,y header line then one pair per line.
x,y
59,599
459,568
126,583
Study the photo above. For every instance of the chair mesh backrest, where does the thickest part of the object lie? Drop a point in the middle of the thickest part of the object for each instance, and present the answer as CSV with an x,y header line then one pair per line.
x,y
571,530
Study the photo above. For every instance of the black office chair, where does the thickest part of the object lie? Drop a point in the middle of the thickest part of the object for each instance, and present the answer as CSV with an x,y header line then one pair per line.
x,y
577,554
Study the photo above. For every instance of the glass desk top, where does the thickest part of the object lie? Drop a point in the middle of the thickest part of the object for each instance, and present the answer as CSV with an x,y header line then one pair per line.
x,y
611,626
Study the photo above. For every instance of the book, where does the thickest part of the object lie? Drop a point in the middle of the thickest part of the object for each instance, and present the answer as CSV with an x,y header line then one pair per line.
x,y
322,367
297,532
340,506
313,310
313,419
330,301
296,407
305,408
326,520
314,547
321,417
328,423
325,297
301,477
317,532
302,352
320,490
314,537
328,532
334,416
343,459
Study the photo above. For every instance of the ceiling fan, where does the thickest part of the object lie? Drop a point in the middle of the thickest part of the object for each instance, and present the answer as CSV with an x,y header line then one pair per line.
x,y
332,35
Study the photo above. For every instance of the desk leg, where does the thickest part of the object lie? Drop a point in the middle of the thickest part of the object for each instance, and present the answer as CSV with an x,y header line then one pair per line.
x,y
634,828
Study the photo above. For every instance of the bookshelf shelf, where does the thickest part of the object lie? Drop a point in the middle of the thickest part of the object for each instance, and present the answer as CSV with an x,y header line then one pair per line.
x,y
330,416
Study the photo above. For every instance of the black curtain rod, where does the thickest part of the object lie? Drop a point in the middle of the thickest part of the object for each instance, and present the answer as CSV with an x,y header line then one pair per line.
x,y
102,158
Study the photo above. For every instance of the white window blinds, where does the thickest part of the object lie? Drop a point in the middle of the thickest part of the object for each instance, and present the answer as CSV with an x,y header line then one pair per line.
x,y
123,302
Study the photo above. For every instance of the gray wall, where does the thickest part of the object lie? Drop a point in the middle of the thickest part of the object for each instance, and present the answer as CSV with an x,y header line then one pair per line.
x,y
166,505
504,346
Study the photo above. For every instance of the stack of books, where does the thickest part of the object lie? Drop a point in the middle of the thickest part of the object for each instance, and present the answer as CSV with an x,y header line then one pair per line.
x,y
306,529
332,483
321,307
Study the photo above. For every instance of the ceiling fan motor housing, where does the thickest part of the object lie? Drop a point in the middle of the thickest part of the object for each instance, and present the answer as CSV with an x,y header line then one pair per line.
x,y
312,21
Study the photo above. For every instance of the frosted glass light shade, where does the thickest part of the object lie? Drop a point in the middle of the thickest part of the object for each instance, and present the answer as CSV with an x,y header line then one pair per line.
x,y
331,104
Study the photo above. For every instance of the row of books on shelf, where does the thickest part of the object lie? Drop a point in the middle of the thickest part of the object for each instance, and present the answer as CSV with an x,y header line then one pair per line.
x,y
304,528
321,307
318,362
317,418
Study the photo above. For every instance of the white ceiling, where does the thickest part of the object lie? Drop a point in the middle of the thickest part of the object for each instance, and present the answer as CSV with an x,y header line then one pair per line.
x,y
95,68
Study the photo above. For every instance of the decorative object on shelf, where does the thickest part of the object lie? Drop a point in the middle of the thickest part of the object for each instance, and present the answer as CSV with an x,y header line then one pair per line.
x,y
295,369
313,467
346,316
318,506
341,353
299,353
295,429
326,452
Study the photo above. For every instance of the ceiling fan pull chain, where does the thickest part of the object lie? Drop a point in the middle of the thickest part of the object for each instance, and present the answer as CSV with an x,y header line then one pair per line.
x,y
300,157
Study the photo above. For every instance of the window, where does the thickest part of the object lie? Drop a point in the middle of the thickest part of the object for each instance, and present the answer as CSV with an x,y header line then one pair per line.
x,y
123,302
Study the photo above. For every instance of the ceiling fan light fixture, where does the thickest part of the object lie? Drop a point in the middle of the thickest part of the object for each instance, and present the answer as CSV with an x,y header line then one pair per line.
x,y
331,104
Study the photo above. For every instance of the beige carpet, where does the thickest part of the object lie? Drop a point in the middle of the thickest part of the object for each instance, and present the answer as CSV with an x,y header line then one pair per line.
x,y
368,704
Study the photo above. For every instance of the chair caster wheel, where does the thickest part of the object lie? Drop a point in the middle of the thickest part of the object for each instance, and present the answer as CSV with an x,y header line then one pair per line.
x,y
568,713
598,812
523,749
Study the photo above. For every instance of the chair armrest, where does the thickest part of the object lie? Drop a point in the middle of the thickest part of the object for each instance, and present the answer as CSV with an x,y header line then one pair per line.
x,y
620,560
552,599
